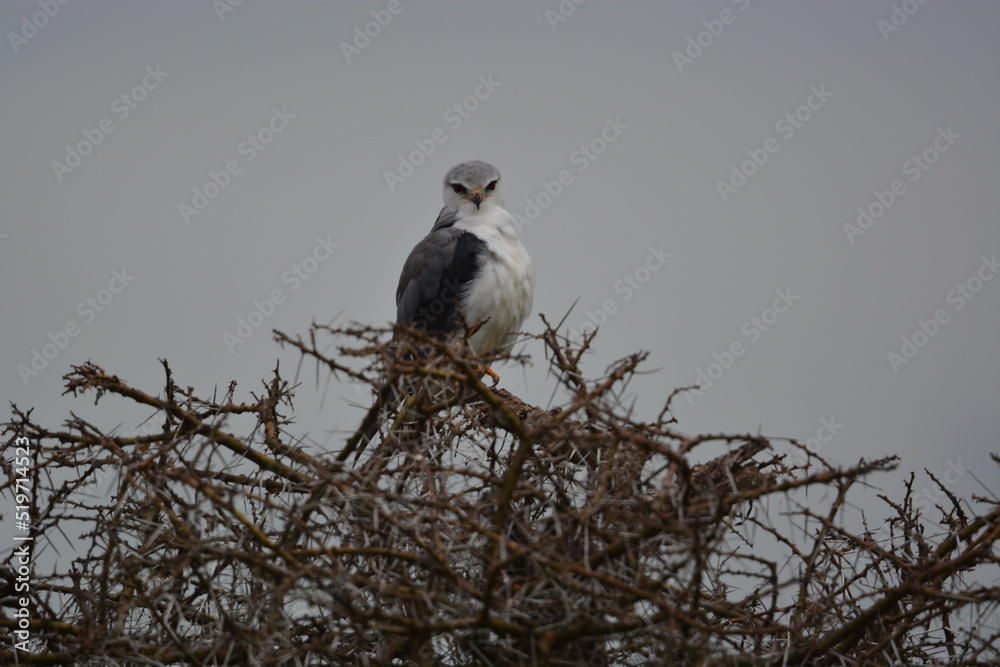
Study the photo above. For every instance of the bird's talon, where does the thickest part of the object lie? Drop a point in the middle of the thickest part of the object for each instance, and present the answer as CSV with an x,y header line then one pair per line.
x,y
489,371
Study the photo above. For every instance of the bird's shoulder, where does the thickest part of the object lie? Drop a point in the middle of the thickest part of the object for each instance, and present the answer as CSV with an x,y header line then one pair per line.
x,y
446,219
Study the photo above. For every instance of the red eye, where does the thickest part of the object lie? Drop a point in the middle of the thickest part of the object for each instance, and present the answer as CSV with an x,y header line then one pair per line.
x,y
492,185
460,189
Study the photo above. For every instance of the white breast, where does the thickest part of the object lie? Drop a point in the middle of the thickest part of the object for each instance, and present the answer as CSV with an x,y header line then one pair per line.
x,y
503,289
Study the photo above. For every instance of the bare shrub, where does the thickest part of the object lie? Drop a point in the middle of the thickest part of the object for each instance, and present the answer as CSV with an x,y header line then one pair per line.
x,y
480,531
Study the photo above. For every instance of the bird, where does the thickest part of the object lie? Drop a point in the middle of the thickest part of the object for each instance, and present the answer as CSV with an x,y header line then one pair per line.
x,y
470,269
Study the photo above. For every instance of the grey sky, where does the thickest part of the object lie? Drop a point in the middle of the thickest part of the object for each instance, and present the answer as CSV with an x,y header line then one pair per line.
x,y
807,111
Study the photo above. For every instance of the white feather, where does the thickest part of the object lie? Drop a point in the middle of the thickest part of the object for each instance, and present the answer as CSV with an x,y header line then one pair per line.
x,y
504,285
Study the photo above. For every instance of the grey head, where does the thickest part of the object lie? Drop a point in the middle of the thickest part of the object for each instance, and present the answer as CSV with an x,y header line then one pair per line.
x,y
474,185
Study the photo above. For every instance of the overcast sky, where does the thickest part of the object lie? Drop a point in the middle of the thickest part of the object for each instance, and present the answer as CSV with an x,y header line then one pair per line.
x,y
792,204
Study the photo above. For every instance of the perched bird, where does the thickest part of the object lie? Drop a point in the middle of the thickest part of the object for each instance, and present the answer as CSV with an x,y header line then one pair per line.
x,y
471,267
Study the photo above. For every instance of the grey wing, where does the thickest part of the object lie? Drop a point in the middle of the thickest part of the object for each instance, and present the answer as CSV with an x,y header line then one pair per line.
x,y
435,277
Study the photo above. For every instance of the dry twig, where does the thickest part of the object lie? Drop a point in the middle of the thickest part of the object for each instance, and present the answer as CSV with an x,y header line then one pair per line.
x,y
482,531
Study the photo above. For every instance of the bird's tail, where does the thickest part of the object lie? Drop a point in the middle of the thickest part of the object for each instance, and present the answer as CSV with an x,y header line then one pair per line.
x,y
387,397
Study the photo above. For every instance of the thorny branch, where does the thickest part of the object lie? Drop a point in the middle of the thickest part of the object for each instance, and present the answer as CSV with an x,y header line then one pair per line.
x,y
481,530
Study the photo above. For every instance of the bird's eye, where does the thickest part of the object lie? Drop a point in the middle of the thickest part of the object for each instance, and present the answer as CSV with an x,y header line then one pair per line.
x,y
460,189
492,185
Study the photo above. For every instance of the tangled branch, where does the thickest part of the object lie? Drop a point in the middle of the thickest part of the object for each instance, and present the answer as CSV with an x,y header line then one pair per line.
x,y
481,530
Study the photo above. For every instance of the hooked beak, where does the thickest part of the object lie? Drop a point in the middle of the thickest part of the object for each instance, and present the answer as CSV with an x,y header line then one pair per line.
x,y
477,198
